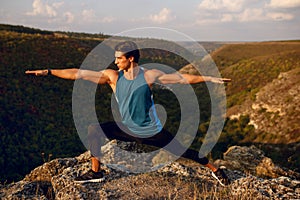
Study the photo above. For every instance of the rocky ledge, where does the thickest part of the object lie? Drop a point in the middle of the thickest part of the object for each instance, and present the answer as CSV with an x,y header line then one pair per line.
x,y
253,176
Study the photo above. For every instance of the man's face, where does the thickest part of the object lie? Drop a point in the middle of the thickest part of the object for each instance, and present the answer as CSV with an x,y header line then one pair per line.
x,y
121,61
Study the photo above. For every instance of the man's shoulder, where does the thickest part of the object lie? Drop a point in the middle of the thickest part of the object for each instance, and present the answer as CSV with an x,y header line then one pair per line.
x,y
110,72
112,75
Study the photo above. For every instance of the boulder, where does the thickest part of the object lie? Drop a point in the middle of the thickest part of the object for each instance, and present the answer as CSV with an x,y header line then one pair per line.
x,y
252,160
181,179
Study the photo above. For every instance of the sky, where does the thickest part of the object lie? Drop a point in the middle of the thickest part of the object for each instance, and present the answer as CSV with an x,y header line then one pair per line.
x,y
200,20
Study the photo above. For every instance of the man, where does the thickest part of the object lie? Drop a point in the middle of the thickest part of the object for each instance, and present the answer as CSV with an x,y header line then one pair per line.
x,y
132,86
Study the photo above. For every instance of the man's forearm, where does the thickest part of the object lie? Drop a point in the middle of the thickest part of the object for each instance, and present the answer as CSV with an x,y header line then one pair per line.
x,y
61,73
73,74
65,73
183,78
192,79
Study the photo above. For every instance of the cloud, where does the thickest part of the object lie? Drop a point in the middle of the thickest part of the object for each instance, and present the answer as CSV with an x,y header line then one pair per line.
x,y
162,17
280,16
227,5
107,19
259,14
224,11
57,4
284,4
88,15
69,17
254,14
44,9
227,18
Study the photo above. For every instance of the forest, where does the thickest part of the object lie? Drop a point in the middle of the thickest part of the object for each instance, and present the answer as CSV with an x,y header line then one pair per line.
x,y
36,122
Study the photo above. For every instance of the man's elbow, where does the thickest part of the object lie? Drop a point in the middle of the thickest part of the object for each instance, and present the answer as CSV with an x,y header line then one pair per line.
x,y
76,74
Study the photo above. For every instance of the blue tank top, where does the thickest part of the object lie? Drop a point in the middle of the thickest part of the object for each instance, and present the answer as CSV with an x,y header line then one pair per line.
x,y
136,105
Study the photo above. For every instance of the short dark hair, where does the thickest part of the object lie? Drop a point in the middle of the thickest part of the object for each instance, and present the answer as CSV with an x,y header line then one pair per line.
x,y
130,49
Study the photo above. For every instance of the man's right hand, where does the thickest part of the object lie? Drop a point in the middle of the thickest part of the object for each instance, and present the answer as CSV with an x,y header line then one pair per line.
x,y
43,72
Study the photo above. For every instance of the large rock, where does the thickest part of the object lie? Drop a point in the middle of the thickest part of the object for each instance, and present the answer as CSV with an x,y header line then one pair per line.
x,y
252,160
182,180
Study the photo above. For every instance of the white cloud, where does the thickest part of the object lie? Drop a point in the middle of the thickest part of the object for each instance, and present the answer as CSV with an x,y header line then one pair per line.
x,y
210,5
224,11
225,5
284,3
206,21
50,11
69,17
44,9
227,18
88,15
280,16
162,17
107,19
259,14
254,14
57,4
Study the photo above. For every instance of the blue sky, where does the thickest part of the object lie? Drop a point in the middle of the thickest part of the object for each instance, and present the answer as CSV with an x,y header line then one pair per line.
x,y
202,20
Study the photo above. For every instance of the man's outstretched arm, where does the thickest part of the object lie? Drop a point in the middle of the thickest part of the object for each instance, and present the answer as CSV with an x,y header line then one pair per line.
x,y
192,79
188,78
99,77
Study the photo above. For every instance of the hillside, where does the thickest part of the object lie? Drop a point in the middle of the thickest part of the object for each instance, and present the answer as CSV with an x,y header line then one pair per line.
x,y
253,65
268,69
275,110
265,79
265,88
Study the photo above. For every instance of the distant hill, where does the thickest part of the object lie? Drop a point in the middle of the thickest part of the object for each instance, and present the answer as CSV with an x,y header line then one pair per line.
x,y
23,29
258,68
265,87
28,30
254,69
253,65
